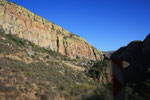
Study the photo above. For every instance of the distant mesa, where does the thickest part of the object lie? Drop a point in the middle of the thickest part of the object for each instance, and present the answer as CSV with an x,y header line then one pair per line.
x,y
108,53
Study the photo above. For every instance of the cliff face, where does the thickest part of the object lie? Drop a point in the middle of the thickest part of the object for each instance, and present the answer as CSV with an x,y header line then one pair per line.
x,y
17,20
137,73
137,54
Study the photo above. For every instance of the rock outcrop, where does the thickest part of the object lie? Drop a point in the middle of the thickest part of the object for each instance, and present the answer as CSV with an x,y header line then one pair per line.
x,y
17,20
137,73
137,54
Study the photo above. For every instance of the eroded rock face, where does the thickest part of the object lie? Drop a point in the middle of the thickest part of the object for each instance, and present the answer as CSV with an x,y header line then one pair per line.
x,y
137,54
17,20
130,52
136,74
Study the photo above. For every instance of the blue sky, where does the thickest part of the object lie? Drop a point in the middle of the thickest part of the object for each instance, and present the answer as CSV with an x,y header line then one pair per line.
x,y
106,24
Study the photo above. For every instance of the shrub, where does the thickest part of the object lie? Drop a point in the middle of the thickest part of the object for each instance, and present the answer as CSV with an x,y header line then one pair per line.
x,y
97,69
18,41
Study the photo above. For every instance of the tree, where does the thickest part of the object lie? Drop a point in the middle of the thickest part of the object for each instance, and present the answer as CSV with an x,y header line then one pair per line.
x,y
96,70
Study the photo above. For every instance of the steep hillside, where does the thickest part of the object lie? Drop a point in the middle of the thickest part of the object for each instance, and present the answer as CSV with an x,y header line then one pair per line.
x,y
25,24
29,72
137,73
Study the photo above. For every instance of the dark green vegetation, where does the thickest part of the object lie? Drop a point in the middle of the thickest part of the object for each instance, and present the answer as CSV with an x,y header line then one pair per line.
x,y
28,72
99,74
138,90
97,69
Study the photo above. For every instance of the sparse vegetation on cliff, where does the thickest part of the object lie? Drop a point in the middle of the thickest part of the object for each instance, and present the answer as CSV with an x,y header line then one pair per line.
x,y
27,69
29,26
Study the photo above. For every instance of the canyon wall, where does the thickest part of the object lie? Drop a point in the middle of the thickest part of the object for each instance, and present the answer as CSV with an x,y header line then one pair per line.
x,y
19,21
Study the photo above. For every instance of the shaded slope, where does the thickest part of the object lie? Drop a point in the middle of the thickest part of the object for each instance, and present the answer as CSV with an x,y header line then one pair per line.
x,y
137,74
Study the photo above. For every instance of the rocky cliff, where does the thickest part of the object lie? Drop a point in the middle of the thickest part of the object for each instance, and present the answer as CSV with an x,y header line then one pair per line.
x,y
17,20
137,73
137,54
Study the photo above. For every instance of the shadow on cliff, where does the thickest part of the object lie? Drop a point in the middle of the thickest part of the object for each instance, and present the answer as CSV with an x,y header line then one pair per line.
x,y
137,74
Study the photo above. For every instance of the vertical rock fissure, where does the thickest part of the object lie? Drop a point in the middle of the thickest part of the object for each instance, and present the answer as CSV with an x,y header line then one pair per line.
x,y
94,53
57,44
38,30
65,47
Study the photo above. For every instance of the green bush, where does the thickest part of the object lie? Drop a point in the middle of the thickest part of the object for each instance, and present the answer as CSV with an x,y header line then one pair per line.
x,y
20,42
97,69
131,93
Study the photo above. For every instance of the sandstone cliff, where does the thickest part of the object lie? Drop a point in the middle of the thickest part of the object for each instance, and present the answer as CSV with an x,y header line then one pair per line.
x,y
17,20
